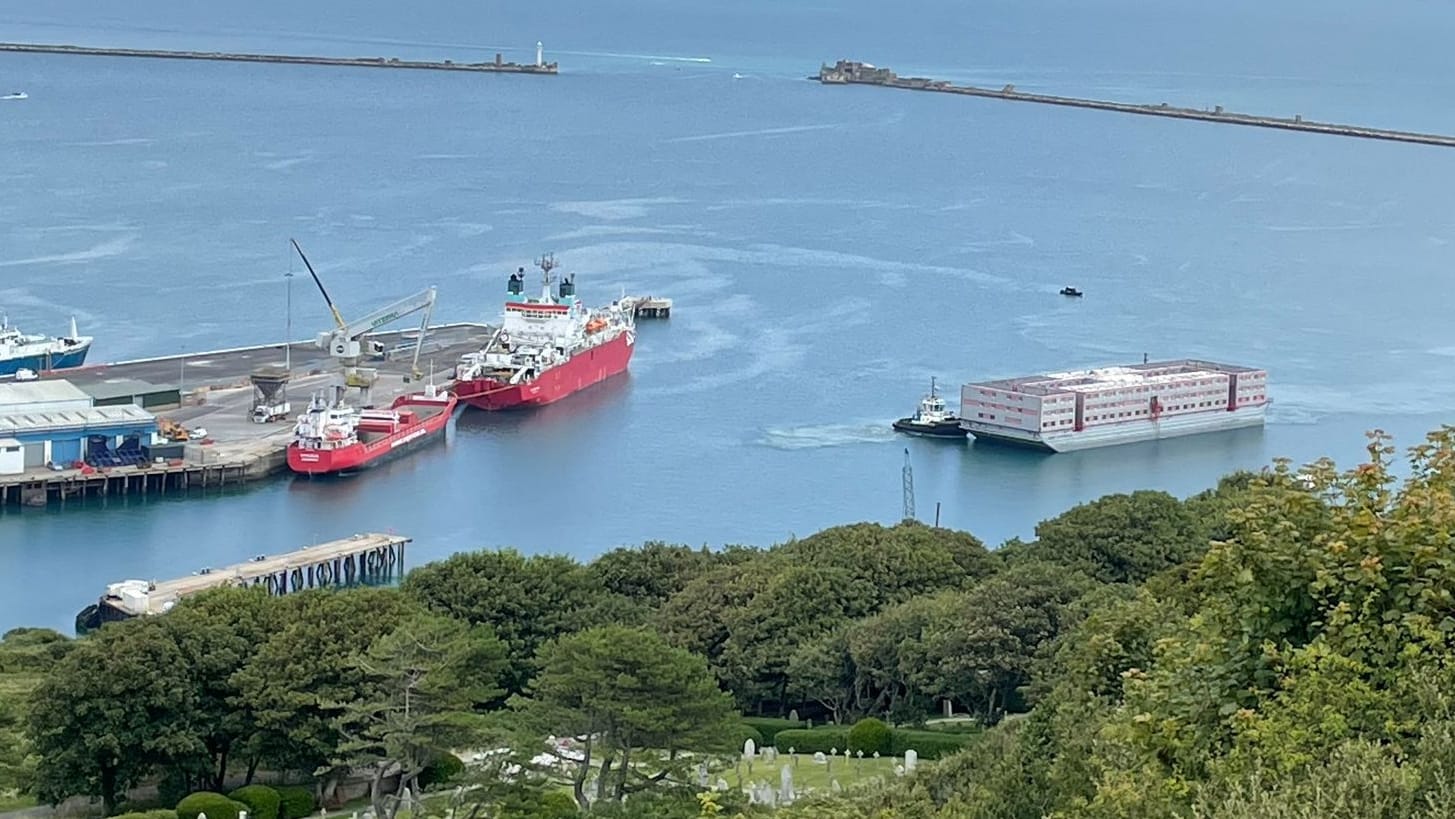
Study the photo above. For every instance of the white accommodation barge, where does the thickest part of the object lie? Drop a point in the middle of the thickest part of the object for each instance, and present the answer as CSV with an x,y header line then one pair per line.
x,y
1083,409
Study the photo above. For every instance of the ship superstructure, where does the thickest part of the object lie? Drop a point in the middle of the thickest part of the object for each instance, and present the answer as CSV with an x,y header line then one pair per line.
x,y
547,347
1083,409
334,437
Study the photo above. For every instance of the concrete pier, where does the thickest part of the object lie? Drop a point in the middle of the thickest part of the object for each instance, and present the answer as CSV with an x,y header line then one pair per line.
x,y
360,559
649,307
217,395
849,72
498,66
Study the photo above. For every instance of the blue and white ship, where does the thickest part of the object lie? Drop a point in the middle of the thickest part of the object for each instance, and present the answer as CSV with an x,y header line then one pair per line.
x,y
19,351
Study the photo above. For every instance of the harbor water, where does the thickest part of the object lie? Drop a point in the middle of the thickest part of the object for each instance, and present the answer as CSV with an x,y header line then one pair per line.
x,y
828,249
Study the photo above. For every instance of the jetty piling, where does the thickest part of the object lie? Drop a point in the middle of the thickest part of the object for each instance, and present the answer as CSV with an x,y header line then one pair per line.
x,y
361,559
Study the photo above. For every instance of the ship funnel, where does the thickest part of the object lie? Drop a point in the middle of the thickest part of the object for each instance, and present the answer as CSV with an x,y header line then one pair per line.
x,y
568,287
517,282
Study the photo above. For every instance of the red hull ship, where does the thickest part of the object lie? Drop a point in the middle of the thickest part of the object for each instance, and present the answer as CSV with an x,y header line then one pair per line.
x,y
336,438
546,348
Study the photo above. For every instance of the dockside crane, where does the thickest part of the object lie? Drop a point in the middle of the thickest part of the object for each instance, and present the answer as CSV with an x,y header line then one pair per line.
x,y
348,342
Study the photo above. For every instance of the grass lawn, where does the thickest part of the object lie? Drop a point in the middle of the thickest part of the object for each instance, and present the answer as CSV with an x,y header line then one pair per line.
x,y
809,775
8,803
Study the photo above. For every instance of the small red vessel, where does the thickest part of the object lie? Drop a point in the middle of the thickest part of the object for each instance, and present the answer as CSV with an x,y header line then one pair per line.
x,y
546,348
332,438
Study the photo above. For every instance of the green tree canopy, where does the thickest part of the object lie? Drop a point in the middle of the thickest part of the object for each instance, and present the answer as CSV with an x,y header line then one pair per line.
x,y
637,702
110,713
653,572
422,688
526,601
1122,538
295,681
217,633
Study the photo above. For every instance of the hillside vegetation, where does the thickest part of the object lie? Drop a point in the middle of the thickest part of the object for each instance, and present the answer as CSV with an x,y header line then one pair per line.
x,y
1278,646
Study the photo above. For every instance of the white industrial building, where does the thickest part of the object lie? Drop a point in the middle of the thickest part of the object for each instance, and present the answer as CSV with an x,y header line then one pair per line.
x,y
54,423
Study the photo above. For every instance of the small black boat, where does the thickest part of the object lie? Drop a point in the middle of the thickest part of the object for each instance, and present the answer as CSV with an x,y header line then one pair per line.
x,y
932,420
1070,291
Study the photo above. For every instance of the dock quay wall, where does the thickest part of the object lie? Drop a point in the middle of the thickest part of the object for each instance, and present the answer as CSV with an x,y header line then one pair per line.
x,y
251,348
499,66
234,451
847,72
148,479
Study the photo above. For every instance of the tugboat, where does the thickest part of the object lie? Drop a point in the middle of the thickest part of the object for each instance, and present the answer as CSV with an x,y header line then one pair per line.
x,y
1070,291
931,419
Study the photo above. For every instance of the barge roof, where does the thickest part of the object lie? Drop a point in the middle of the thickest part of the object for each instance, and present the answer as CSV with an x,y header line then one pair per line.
x,y
1104,378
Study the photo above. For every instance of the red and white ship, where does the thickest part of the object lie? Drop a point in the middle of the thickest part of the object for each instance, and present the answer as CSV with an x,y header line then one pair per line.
x,y
333,437
546,348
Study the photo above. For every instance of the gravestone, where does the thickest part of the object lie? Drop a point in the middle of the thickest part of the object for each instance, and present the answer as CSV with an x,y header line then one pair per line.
x,y
785,785
911,758
793,715
750,748
819,758
899,770
835,786
721,786
702,774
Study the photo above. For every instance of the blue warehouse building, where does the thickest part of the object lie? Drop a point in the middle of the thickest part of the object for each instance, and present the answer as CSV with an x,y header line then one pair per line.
x,y
55,423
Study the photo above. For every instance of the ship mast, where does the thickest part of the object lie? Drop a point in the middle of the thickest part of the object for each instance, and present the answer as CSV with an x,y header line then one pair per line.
x,y
547,263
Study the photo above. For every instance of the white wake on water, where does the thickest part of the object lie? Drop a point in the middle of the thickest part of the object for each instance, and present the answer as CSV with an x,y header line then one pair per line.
x,y
104,250
826,435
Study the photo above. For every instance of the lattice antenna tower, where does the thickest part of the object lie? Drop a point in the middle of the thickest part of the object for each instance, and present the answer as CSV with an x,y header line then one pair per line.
x,y
908,488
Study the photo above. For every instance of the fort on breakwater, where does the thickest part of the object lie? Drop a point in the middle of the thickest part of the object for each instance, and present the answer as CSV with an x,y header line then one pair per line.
x,y
849,72
540,66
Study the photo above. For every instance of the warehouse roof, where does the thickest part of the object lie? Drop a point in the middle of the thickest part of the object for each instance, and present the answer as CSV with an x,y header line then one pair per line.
x,y
123,388
32,422
35,392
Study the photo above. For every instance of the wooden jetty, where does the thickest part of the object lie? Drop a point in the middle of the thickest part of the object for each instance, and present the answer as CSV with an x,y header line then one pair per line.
x,y
498,66
362,558
850,72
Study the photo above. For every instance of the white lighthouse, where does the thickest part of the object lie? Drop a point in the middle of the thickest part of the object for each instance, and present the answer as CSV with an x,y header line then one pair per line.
x,y
540,54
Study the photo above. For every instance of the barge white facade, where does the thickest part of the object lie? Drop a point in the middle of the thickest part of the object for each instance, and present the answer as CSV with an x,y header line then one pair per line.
x,y
1083,409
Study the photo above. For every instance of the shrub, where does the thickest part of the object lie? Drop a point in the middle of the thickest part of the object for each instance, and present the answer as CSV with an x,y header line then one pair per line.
x,y
215,805
964,726
296,802
807,741
870,736
262,801
442,769
770,726
928,744
148,814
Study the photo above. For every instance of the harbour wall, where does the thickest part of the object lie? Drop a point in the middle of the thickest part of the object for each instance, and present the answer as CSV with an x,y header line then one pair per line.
x,y
848,72
498,66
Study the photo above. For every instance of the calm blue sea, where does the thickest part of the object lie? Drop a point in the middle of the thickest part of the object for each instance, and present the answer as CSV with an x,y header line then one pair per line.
x,y
829,249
